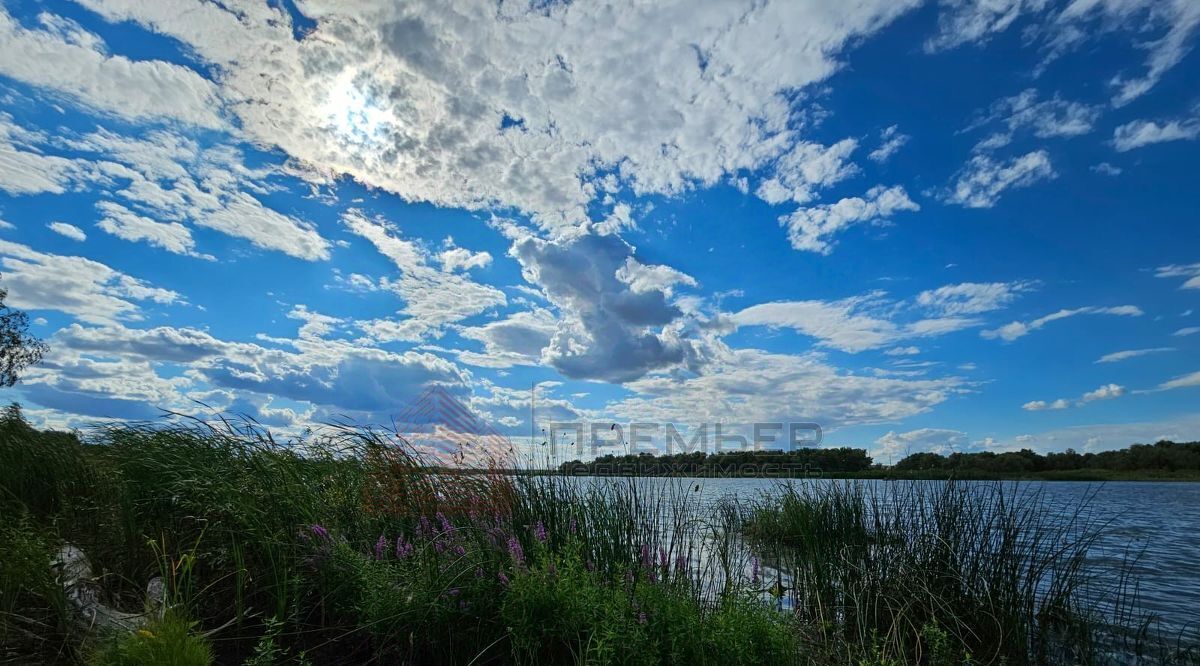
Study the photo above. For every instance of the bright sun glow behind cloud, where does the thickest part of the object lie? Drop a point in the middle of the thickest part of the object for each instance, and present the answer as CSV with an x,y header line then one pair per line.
x,y
352,113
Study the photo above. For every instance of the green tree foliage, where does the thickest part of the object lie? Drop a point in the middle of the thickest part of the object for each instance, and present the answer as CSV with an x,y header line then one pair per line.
x,y
18,349
800,462
1163,456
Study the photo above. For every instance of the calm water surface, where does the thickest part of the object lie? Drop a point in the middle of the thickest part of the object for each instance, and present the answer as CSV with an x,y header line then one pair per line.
x,y
1156,522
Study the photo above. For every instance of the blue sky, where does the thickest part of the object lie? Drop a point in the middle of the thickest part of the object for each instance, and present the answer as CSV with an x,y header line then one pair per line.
x,y
925,226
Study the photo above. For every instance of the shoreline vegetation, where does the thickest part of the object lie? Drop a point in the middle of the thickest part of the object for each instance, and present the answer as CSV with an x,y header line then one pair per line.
x,y
1161,461
350,550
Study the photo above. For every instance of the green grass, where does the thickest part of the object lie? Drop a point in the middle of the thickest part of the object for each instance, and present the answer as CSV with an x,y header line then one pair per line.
x,y
345,549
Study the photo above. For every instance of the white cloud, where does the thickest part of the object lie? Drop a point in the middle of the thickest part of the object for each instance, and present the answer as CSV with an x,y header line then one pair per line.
x,y
806,168
1106,169
903,351
1189,330
896,445
411,98
760,386
852,325
1162,28
1132,353
811,228
69,230
643,278
891,141
458,258
432,298
166,175
1018,329
1189,271
78,66
608,330
1183,381
86,289
971,297
982,180
94,370
1145,132
1039,405
125,224
1106,392
1054,117
515,340
316,325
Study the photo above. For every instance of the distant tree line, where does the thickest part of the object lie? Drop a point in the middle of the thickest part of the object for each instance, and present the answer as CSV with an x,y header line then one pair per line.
x,y
1164,455
799,462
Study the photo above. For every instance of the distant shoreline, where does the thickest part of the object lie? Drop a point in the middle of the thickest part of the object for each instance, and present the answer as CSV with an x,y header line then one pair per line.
x,y
1082,475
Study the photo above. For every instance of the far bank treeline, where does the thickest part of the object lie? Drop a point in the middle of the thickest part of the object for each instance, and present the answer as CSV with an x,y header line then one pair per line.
x,y
1163,459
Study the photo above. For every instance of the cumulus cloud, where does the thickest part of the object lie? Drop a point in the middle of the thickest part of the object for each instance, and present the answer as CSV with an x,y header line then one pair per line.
x,y
897,445
164,174
1039,405
83,288
338,376
811,228
470,105
515,340
609,330
982,179
1019,329
69,230
759,386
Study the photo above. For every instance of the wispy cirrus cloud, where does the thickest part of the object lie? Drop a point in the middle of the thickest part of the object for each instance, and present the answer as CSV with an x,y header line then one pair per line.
x,y
1019,329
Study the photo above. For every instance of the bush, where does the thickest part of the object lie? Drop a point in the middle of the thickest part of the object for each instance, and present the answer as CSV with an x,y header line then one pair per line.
x,y
168,641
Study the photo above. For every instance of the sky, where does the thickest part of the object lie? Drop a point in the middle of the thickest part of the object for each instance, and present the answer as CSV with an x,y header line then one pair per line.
x,y
925,226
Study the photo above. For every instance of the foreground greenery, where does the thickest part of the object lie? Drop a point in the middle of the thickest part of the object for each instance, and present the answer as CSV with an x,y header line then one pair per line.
x,y
1164,460
345,549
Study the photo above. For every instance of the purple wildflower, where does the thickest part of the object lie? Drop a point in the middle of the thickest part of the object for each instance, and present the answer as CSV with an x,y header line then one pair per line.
x,y
319,532
503,579
514,549
423,527
403,548
754,571
642,617
680,563
446,526
381,547
460,551
439,546
647,559
574,527
662,557
539,531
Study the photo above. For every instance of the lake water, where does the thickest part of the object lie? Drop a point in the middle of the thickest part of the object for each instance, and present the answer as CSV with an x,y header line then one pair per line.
x,y
1158,520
